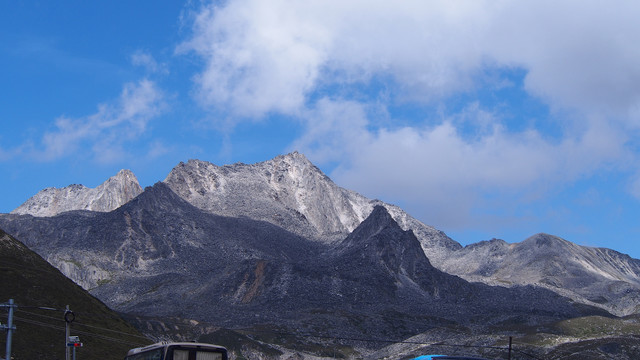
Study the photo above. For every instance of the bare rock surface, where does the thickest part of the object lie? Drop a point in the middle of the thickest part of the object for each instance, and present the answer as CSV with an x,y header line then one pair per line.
x,y
290,192
595,276
110,195
160,256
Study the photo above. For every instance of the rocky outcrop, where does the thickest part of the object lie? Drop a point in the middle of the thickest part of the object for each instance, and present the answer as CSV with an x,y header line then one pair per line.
x,y
595,276
160,256
290,192
110,195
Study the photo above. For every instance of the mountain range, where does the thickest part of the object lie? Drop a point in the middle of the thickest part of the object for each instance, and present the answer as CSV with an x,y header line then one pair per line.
x,y
277,244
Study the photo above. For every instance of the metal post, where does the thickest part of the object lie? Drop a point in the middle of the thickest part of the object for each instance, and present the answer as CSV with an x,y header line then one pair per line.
x,y
67,331
10,329
510,341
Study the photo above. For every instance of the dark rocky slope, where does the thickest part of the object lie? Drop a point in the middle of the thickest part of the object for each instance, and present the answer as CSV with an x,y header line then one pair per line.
x,y
161,256
33,283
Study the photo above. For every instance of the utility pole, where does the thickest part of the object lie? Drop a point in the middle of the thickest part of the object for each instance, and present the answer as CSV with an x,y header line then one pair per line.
x,y
70,341
69,316
9,327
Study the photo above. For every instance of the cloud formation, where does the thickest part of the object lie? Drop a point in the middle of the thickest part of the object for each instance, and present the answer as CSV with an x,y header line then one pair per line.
x,y
272,57
108,130
148,62
335,65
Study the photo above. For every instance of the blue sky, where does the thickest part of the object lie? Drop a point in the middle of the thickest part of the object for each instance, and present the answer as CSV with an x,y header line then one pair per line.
x,y
481,118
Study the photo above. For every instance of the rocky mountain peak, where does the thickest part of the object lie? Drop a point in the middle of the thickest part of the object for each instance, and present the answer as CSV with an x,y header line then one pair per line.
x,y
110,195
296,165
291,192
548,242
124,176
295,171
377,221
594,276
380,240
288,191
292,158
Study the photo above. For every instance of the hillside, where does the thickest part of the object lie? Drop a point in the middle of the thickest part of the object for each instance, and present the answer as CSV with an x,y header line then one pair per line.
x,y
33,284
595,276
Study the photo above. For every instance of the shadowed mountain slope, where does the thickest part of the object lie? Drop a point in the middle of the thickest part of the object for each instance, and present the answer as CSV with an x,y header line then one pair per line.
x,y
33,283
160,256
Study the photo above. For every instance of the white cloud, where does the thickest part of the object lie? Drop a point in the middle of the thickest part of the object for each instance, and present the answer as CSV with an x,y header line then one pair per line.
x,y
334,128
106,131
439,173
263,57
577,53
255,63
578,57
147,61
158,149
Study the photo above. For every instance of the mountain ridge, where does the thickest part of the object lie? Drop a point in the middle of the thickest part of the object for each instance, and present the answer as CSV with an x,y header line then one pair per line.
x,y
289,191
293,194
113,193
596,276
171,258
248,241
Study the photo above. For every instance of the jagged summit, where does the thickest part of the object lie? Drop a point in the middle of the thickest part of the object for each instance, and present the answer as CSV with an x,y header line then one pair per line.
x,y
291,192
376,222
288,191
380,240
110,195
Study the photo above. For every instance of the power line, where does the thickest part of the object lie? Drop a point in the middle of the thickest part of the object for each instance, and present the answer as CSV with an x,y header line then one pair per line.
x,y
77,323
111,330
39,323
90,334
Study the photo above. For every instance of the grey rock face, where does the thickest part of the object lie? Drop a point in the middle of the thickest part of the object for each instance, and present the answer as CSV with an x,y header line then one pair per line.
x,y
158,255
595,276
290,192
267,209
108,196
